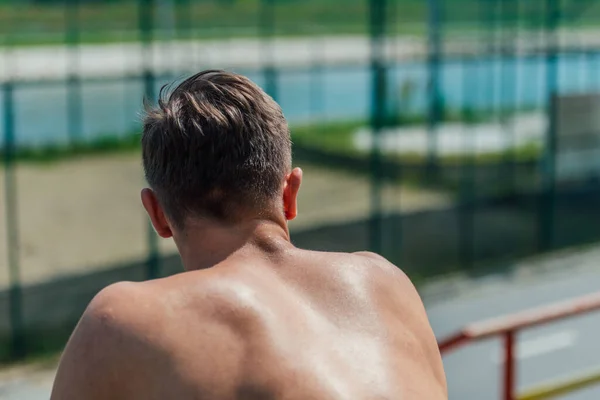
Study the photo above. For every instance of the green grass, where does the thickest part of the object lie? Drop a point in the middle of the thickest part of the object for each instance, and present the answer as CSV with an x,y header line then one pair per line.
x,y
52,153
24,23
120,21
334,137
337,137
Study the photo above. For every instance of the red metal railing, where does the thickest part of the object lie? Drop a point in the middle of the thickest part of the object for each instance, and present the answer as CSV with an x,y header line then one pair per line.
x,y
508,326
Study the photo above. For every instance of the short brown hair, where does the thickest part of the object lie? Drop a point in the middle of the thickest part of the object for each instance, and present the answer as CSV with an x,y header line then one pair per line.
x,y
213,146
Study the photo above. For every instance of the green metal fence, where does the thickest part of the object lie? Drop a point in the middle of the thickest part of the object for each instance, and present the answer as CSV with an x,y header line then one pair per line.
x,y
430,132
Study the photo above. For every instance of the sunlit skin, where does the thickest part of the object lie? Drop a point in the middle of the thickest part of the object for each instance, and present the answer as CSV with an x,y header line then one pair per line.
x,y
253,317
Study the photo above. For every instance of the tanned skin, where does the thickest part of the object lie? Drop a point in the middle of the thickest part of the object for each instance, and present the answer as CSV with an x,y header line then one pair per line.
x,y
254,317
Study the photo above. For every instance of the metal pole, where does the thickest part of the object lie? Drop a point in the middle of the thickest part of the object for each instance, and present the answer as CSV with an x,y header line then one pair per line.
x,y
468,207
12,225
493,54
74,95
546,217
509,367
18,345
166,19
183,26
146,24
378,114
316,81
501,51
267,32
435,99
467,194
505,56
515,8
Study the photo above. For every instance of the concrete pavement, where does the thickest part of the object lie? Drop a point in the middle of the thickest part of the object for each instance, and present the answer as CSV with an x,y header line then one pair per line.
x,y
553,351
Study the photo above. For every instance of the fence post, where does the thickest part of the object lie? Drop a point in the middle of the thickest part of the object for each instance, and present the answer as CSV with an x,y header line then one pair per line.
x,y
468,194
316,81
146,23
491,56
548,194
15,300
501,37
12,226
267,32
183,27
514,10
467,189
509,367
74,96
435,97
378,117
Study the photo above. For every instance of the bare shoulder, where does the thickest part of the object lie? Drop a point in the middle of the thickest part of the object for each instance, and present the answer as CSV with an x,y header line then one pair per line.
x,y
395,287
378,259
133,334
121,308
382,266
100,347
392,283
118,309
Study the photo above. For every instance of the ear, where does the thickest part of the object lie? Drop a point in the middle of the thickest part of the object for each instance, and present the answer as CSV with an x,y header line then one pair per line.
x,y
156,214
290,193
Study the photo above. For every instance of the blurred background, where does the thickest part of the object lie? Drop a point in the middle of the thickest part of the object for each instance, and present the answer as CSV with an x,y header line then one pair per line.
x,y
458,138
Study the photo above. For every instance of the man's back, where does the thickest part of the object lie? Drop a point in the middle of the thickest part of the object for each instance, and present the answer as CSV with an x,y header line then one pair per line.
x,y
254,317
306,326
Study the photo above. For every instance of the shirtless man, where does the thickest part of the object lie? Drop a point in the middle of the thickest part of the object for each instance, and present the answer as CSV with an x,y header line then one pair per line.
x,y
252,316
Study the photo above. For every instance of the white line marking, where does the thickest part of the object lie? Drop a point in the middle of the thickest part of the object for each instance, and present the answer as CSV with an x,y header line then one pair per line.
x,y
539,346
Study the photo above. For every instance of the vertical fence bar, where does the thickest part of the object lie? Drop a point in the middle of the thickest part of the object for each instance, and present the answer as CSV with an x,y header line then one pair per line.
x,y
465,220
467,189
183,25
504,56
317,82
548,195
166,23
509,384
15,299
15,293
595,51
74,95
378,116
492,54
514,11
507,55
496,59
477,84
537,19
582,50
146,24
435,100
397,102
267,34
188,9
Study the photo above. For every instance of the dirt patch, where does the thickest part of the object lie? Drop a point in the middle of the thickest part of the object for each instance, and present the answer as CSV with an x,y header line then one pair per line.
x,y
82,215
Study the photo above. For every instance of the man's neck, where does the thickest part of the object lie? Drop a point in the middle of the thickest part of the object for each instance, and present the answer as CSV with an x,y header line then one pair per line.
x,y
205,244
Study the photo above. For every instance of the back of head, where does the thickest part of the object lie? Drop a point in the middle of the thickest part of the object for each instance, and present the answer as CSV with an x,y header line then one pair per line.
x,y
217,147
